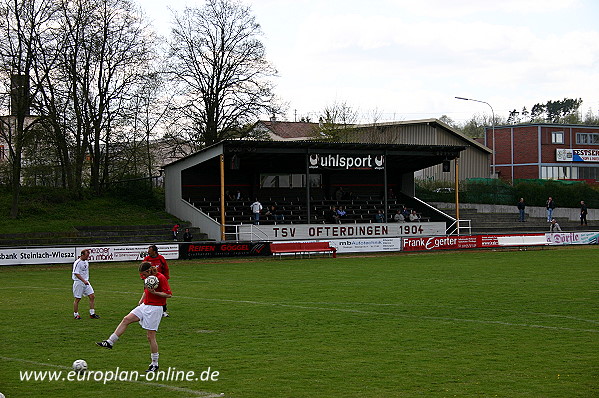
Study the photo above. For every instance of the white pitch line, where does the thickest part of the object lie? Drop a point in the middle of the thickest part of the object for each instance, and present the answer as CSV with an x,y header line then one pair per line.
x,y
355,311
434,318
402,305
202,394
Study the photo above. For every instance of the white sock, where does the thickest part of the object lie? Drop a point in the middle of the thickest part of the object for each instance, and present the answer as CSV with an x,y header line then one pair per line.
x,y
154,357
92,311
75,314
113,338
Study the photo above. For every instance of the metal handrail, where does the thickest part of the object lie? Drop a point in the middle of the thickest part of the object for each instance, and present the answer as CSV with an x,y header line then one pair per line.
x,y
255,233
456,227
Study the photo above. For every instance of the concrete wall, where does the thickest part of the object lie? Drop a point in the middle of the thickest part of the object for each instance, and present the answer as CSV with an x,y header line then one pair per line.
x,y
172,179
573,214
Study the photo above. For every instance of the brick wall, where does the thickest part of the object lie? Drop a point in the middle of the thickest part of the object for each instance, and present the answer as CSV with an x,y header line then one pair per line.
x,y
524,142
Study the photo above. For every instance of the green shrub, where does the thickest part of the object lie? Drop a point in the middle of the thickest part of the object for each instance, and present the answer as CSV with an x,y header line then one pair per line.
x,y
487,190
564,193
496,191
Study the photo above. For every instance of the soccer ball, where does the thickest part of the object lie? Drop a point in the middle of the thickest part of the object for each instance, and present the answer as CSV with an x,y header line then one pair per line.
x,y
151,282
79,366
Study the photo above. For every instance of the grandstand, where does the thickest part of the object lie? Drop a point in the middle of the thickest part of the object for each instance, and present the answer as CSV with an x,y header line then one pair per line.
x,y
302,179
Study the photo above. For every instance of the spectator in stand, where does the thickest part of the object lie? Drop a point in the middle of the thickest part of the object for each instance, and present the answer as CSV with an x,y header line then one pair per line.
x,y
274,214
414,216
521,207
550,206
333,217
339,193
341,213
238,195
256,209
328,215
554,226
187,236
380,216
175,231
405,213
398,217
583,212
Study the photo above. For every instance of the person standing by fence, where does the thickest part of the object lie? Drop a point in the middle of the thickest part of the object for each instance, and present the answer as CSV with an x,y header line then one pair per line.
x,y
583,213
550,206
521,207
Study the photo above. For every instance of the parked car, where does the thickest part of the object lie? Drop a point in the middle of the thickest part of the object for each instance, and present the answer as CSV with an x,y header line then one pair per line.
x,y
444,190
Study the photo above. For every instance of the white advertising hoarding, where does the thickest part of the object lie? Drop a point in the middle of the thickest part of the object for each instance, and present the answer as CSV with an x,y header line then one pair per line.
x,y
360,245
366,245
128,253
58,255
339,231
572,238
65,255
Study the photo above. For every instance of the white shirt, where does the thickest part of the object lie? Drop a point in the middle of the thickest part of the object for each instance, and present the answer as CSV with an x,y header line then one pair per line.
x,y
81,267
256,207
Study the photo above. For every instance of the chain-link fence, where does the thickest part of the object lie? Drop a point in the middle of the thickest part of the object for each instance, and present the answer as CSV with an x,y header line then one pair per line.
x,y
496,191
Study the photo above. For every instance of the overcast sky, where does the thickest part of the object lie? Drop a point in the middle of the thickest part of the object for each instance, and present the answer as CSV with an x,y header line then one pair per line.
x,y
406,59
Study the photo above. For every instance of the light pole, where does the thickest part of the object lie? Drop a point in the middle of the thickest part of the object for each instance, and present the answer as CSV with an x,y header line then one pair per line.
x,y
492,123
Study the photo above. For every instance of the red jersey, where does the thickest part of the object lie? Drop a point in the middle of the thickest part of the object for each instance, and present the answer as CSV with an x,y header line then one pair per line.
x,y
163,286
160,263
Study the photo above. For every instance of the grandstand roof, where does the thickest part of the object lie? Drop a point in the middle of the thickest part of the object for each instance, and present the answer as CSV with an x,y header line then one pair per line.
x,y
405,157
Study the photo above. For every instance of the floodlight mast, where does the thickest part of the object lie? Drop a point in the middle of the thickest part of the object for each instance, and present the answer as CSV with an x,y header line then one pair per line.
x,y
492,123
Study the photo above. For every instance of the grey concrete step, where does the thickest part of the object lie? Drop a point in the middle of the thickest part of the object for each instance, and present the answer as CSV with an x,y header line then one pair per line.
x,y
99,235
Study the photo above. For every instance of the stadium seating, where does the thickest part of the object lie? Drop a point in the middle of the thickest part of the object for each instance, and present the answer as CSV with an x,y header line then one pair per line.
x,y
293,210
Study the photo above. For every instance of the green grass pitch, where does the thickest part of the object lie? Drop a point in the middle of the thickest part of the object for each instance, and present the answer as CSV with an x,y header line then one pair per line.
x,y
444,324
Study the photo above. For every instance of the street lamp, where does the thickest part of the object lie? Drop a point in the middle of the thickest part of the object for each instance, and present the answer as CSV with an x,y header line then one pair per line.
x,y
493,124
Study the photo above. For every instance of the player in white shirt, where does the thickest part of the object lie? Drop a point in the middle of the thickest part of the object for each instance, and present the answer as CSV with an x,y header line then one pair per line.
x,y
81,285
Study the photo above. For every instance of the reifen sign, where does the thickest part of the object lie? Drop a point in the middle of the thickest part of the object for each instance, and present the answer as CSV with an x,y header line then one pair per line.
x,y
346,162
212,249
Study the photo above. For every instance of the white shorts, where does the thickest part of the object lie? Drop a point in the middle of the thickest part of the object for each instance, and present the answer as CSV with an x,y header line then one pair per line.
x,y
80,289
149,316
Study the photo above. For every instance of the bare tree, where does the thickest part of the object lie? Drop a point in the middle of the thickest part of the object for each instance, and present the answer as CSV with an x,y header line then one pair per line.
x,y
106,51
146,116
219,62
23,26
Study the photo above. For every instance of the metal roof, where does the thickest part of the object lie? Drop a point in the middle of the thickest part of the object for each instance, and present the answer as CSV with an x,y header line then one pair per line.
x,y
406,157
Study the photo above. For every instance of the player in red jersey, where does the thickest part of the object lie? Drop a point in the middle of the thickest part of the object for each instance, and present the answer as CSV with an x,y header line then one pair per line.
x,y
158,261
148,313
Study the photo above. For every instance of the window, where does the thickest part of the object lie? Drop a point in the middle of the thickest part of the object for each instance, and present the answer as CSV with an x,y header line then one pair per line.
x,y
555,173
557,137
316,180
588,173
587,138
288,180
